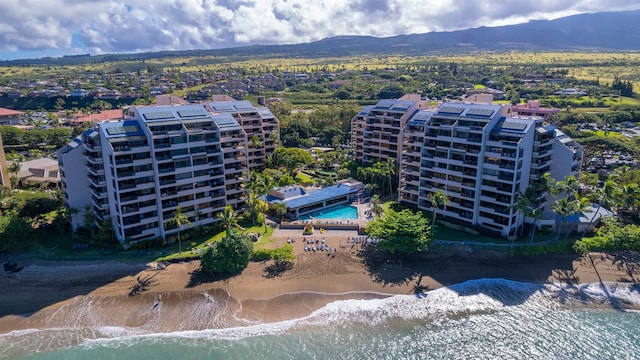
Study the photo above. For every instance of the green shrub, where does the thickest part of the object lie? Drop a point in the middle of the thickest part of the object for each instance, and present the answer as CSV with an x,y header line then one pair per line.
x,y
282,253
449,225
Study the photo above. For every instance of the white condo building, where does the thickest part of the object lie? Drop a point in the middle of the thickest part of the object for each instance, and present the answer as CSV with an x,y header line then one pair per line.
x,y
479,155
137,171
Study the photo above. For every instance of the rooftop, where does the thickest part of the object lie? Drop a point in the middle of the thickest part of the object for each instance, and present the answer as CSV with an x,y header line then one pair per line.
x,y
9,112
304,199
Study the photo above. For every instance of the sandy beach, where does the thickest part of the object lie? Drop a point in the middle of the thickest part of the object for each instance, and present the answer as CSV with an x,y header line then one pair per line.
x,y
263,293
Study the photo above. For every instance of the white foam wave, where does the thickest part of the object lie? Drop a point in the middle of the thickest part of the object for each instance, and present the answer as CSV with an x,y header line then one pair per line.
x,y
481,297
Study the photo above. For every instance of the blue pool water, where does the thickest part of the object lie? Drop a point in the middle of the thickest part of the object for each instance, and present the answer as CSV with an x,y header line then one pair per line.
x,y
345,212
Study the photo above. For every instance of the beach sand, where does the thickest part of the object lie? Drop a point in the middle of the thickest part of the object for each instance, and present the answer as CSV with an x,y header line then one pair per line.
x,y
315,279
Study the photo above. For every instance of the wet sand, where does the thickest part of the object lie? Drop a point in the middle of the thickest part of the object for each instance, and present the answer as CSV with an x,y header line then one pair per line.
x,y
262,293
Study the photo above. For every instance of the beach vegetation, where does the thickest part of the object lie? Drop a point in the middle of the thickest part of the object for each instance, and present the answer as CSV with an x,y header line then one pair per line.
x,y
282,253
403,231
229,256
308,229
611,236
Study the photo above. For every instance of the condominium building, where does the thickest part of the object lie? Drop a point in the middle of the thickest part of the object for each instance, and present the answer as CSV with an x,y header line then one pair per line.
x,y
136,172
376,130
260,125
482,158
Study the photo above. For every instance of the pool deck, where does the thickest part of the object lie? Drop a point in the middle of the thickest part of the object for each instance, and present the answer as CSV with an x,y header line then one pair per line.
x,y
343,224
337,233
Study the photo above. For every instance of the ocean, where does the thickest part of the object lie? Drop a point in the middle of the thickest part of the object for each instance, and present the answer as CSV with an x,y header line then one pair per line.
x,y
478,319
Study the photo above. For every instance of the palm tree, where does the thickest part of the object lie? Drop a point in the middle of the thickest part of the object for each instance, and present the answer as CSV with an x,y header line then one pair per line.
x,y
14,169
229,218
179,219
389,169
607,196
523,205
535,214
437,199
630,196
376,206
569,186
254,143
563,208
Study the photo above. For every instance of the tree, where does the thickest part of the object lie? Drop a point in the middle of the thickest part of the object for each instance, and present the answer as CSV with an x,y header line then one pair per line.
x,y
389,170
523,205
402,231
12,230
376,205
229,219
535,214
178,220
292,158
607,196
14,169
230,255
390,92
280,209
437,200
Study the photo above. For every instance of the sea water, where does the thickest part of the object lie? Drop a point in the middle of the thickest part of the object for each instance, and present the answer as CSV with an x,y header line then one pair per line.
x,y
479,319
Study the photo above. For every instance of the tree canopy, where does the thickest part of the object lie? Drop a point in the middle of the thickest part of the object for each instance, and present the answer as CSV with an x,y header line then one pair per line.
x,y
403,231
12,231
230,255
292,158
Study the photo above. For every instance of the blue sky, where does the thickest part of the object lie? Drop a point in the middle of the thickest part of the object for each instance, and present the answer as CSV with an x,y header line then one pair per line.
x,y
37,28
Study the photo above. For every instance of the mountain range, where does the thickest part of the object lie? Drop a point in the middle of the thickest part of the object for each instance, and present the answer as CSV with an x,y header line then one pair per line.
x,y
607,31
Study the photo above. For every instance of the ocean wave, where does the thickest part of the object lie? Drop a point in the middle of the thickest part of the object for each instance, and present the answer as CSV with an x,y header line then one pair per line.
x,y
460,302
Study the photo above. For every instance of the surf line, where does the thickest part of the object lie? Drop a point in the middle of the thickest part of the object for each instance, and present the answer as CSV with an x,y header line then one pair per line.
x,y
158,301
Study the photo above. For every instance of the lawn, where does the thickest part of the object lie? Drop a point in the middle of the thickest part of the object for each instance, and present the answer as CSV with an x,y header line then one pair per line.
x,y
202,244
304,179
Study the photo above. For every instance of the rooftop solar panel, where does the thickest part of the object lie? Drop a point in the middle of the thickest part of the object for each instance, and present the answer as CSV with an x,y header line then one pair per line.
x,y
222,106
402,106
451,110
513,125
157,115
422,116
115,130
191,113
225,120
384,104
243,105
480,112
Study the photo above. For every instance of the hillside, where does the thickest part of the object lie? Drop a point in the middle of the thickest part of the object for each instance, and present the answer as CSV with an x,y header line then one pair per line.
x,y
600,31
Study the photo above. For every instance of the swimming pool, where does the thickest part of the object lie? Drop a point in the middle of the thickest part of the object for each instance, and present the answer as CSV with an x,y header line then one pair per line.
x,y
345,212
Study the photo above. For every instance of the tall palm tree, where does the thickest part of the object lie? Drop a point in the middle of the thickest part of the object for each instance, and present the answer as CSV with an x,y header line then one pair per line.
x,y
389,169
376,205
523,205
607,196
535,214
437,199
179,219
229,218
569,186
630,197
562,207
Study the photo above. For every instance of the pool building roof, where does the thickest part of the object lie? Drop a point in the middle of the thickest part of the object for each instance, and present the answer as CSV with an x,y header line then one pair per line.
x,y
301,198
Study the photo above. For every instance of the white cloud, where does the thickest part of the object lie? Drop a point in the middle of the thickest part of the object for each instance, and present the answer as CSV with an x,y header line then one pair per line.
x,y
141,25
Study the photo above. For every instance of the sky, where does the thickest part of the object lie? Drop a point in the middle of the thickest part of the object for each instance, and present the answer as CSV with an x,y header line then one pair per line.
x,y
38,28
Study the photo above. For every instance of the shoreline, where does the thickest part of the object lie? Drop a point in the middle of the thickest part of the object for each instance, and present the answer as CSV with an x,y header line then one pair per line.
x,y
32,297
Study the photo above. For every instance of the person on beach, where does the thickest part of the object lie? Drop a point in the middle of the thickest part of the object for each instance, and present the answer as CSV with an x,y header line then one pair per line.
x,y
158,301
